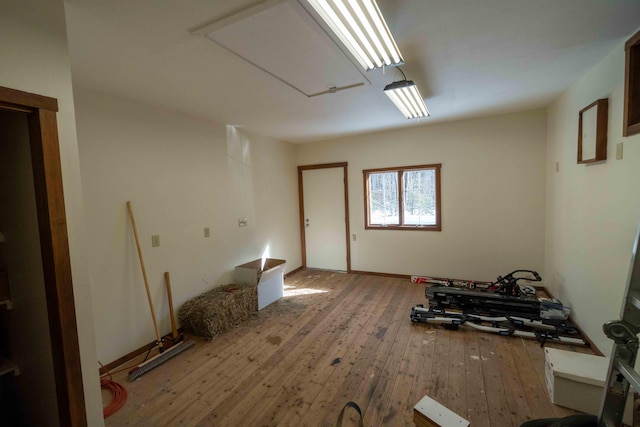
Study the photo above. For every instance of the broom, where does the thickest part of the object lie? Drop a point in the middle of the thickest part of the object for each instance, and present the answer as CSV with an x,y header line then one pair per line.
x,y
159,359
175,336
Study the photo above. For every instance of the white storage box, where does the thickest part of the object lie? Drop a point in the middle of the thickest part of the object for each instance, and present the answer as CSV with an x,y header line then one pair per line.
x,y
268,275
576,381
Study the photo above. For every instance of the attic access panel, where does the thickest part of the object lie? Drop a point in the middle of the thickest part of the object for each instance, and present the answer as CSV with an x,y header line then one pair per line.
x,y
281,38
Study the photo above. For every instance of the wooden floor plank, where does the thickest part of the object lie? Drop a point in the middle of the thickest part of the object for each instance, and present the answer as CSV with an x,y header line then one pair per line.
x,y
437,387
380,402
364,373
477,411
400,404
534,387
497,406
283,389
456,381
269,374
322,385
425,357
280,368
519,409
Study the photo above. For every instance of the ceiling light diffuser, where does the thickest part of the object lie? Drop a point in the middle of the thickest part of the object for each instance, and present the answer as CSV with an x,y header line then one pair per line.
x,y
405,95
361,28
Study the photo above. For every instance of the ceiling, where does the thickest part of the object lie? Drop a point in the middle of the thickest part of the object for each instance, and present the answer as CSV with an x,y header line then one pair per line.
x,y
470,58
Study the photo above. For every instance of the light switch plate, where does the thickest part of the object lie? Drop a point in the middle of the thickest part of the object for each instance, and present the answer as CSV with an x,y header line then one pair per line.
x,y
155,240
207,232
619,151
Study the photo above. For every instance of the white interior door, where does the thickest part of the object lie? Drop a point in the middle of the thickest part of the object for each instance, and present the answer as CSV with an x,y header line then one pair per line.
x,y
325,218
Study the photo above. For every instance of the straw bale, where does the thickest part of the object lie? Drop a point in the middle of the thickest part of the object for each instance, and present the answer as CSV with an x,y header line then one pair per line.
x,y
218,310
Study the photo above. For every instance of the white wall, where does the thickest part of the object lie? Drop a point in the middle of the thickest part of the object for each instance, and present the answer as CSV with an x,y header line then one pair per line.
x,y
34,58
182,174
492,196
592,210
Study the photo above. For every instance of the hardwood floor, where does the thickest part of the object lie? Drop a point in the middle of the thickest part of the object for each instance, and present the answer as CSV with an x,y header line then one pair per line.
x,y
342,337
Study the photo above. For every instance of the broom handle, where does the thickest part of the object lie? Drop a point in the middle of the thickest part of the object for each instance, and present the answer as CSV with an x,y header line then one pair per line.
x,y
144,272
174,329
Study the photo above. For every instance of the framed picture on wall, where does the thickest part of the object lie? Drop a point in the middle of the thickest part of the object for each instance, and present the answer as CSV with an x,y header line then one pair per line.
x,y
631,125
592,132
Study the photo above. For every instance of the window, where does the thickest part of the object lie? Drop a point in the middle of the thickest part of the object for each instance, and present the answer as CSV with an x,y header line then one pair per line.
x,y
403,198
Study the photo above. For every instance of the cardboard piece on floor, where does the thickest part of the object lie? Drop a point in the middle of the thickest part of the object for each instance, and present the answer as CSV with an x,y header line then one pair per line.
x,y
429,413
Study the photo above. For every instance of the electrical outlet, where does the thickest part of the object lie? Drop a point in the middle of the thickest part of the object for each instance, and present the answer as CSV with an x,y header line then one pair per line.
x,y
207,232
242,222
354,237
619,151
155,240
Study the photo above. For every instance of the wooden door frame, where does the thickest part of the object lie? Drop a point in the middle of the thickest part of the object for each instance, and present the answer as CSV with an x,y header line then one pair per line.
x,y
54,246
344,166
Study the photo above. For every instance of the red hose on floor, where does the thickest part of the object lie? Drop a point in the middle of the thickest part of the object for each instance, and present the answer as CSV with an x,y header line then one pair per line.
x,y
119,396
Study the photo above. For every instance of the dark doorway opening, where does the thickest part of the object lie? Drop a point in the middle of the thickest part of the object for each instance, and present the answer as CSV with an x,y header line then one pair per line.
x,y
39,222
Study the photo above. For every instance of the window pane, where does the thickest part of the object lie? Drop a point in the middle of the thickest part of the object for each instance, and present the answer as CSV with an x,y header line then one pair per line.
x,y
383,202
420,197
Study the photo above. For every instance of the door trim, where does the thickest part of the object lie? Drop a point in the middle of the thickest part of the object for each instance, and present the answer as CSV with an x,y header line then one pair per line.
x,y
344,166
54,246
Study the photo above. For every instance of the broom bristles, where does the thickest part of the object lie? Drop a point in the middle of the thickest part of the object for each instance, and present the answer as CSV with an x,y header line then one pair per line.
x,y
159,359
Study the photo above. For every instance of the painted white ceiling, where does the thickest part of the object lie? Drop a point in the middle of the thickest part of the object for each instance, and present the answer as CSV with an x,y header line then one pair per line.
x,y
470,58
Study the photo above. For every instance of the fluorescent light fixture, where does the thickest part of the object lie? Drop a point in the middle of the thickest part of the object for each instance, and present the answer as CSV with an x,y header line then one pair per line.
x,y
407,98
361,28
